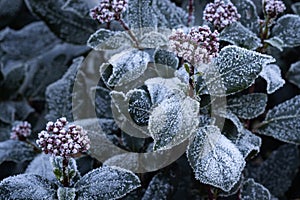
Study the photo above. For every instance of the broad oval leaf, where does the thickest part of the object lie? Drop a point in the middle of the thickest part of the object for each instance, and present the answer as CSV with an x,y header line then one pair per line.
x,y
272,74
283,121
252,190
106,183
293,75
215,159
27,186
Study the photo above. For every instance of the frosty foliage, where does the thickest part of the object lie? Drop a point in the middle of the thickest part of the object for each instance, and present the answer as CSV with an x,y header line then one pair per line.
x,y
102,102
10,12
215,159
66,193
234,70
106,183
239,35
248,106
287,28
276,42
11,111
59,94
282,122
272,74
232,117
153,39
15,150
278,171
27,186
293,75
167,58
252,190
79,7
296,8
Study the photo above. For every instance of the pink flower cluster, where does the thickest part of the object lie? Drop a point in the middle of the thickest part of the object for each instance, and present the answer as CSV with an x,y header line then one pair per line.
x,y
20,131
62,140
200,45
221,14
107,10
273,8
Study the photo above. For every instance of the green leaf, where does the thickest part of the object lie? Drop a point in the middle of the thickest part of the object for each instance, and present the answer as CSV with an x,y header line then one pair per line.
x,y
234,70
252,190
248,106
215,159
65,24
239,35
65,193
27,186
283,121
272,74
106,183
293,75
287,29
296,8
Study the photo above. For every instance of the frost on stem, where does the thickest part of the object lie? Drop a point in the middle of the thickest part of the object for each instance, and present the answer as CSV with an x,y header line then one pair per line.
x,y
20,131
200,45
108,10
221,14
273,8
63,140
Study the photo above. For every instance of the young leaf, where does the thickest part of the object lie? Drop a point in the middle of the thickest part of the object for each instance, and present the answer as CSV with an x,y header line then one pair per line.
x,y
252,190
293,75
287,28
106,183
27,186
234,70
296,8
283,121
65,193
239,35
17,151
215,159
272,74
248,106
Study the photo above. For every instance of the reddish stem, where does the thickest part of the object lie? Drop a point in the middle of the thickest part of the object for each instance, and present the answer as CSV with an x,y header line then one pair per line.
x,y
191,10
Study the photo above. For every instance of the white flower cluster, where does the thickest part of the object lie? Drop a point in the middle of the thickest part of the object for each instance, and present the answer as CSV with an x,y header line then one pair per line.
x,y
273,8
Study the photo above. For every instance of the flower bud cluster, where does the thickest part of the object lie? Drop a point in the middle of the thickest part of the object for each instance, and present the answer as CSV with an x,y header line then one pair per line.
x,y
21,130
61,139
273,8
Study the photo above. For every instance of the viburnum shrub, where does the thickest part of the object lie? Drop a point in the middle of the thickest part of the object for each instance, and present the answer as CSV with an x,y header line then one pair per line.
x,y
150,99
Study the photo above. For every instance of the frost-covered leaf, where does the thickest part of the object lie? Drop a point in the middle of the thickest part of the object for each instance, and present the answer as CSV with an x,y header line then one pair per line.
x,y
12,9
252,190
153,40
66,193
248,106
27,186
41,165
287,28
293,75
125,67
65,24
104,39
106,183
17,151
283,121
79,7
163,57
272,74
296,8
102,102
59,94
173,121
241,36
278,171
231,116
249,17
234,70
168,14
276,42
215,159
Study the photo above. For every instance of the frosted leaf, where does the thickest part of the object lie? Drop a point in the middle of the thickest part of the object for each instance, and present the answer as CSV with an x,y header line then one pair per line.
x,y
11,11
102,102
153,40
248,106
293,75
249,17
168,14
65,193
163,57
272,74
252,190
287,28
232,117
173,121
79,7
278,171
41,166
183,75
234,70
283,121
126,67
104,39
130,161
160,187
59,94
15,150
241,36
215,159
65,24
134,144
296,8
106,183
276,42
27,186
